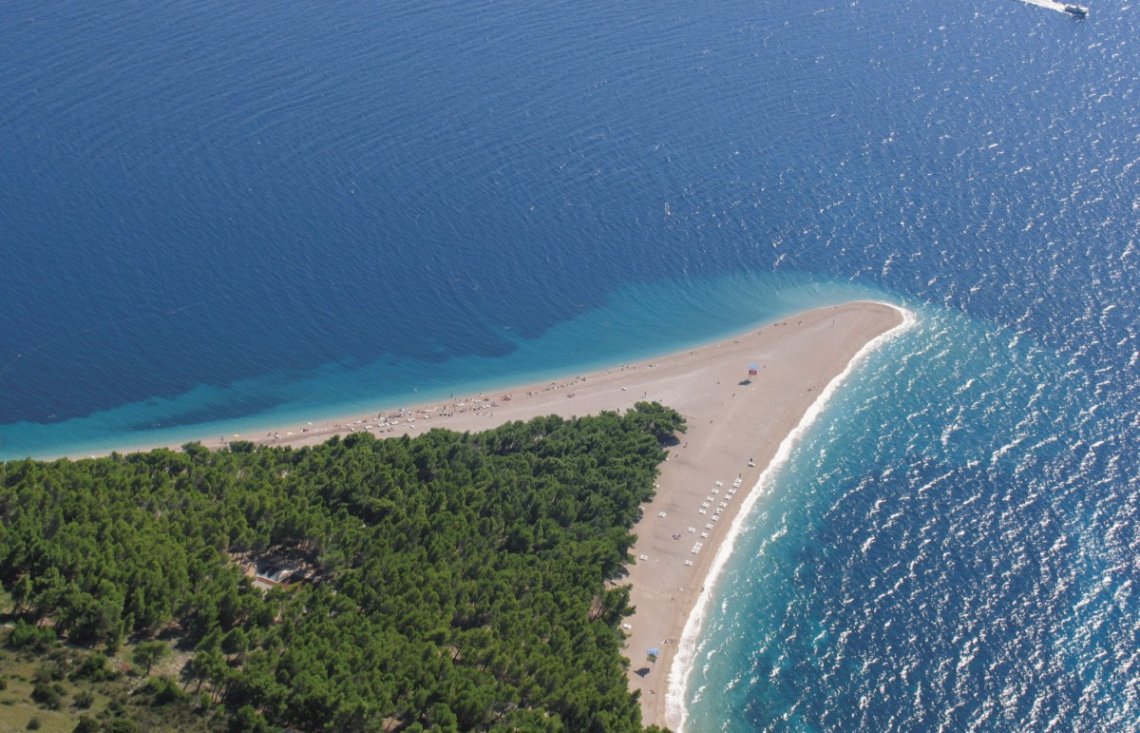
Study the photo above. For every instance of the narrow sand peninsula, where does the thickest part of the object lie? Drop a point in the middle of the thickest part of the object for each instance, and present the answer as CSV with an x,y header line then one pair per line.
x,y
735,426
734,432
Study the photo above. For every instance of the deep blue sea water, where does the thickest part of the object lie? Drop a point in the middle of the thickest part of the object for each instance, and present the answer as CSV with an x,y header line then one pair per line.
x,y
219,216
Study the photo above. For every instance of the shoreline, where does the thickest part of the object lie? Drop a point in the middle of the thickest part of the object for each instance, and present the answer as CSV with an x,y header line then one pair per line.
x,y
675,714
737,425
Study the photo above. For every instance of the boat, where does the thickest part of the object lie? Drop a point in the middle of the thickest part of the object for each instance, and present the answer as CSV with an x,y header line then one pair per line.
x,y
1077,11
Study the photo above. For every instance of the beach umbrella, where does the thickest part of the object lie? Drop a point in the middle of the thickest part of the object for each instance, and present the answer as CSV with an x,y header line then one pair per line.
x,y
652,654
753,369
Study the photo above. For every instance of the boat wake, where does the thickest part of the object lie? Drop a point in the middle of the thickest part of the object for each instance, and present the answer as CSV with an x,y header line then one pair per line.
x,y
1077,11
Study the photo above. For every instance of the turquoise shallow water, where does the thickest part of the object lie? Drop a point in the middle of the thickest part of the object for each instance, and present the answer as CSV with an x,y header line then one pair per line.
x,y
637,321
903,555
216,217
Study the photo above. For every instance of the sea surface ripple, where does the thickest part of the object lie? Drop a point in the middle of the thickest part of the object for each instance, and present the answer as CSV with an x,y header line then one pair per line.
x,y
216,217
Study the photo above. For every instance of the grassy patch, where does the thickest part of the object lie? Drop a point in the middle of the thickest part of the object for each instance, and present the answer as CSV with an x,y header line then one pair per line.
x,y
16,705
122,696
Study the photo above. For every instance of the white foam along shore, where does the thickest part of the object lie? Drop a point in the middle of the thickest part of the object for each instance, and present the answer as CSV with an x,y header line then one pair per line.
x,y
790,363
681,669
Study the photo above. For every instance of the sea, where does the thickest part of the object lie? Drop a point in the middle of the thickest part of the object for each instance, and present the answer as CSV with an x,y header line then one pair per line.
x,y
219,218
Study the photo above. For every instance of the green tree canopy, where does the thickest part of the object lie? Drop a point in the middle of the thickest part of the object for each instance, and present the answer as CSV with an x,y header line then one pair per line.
x,y
447,582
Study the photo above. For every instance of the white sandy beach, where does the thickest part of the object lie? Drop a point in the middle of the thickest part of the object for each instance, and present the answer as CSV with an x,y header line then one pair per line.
x,y
736,424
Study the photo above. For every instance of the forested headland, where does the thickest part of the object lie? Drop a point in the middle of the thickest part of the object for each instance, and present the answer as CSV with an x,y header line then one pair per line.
x,y
446,582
